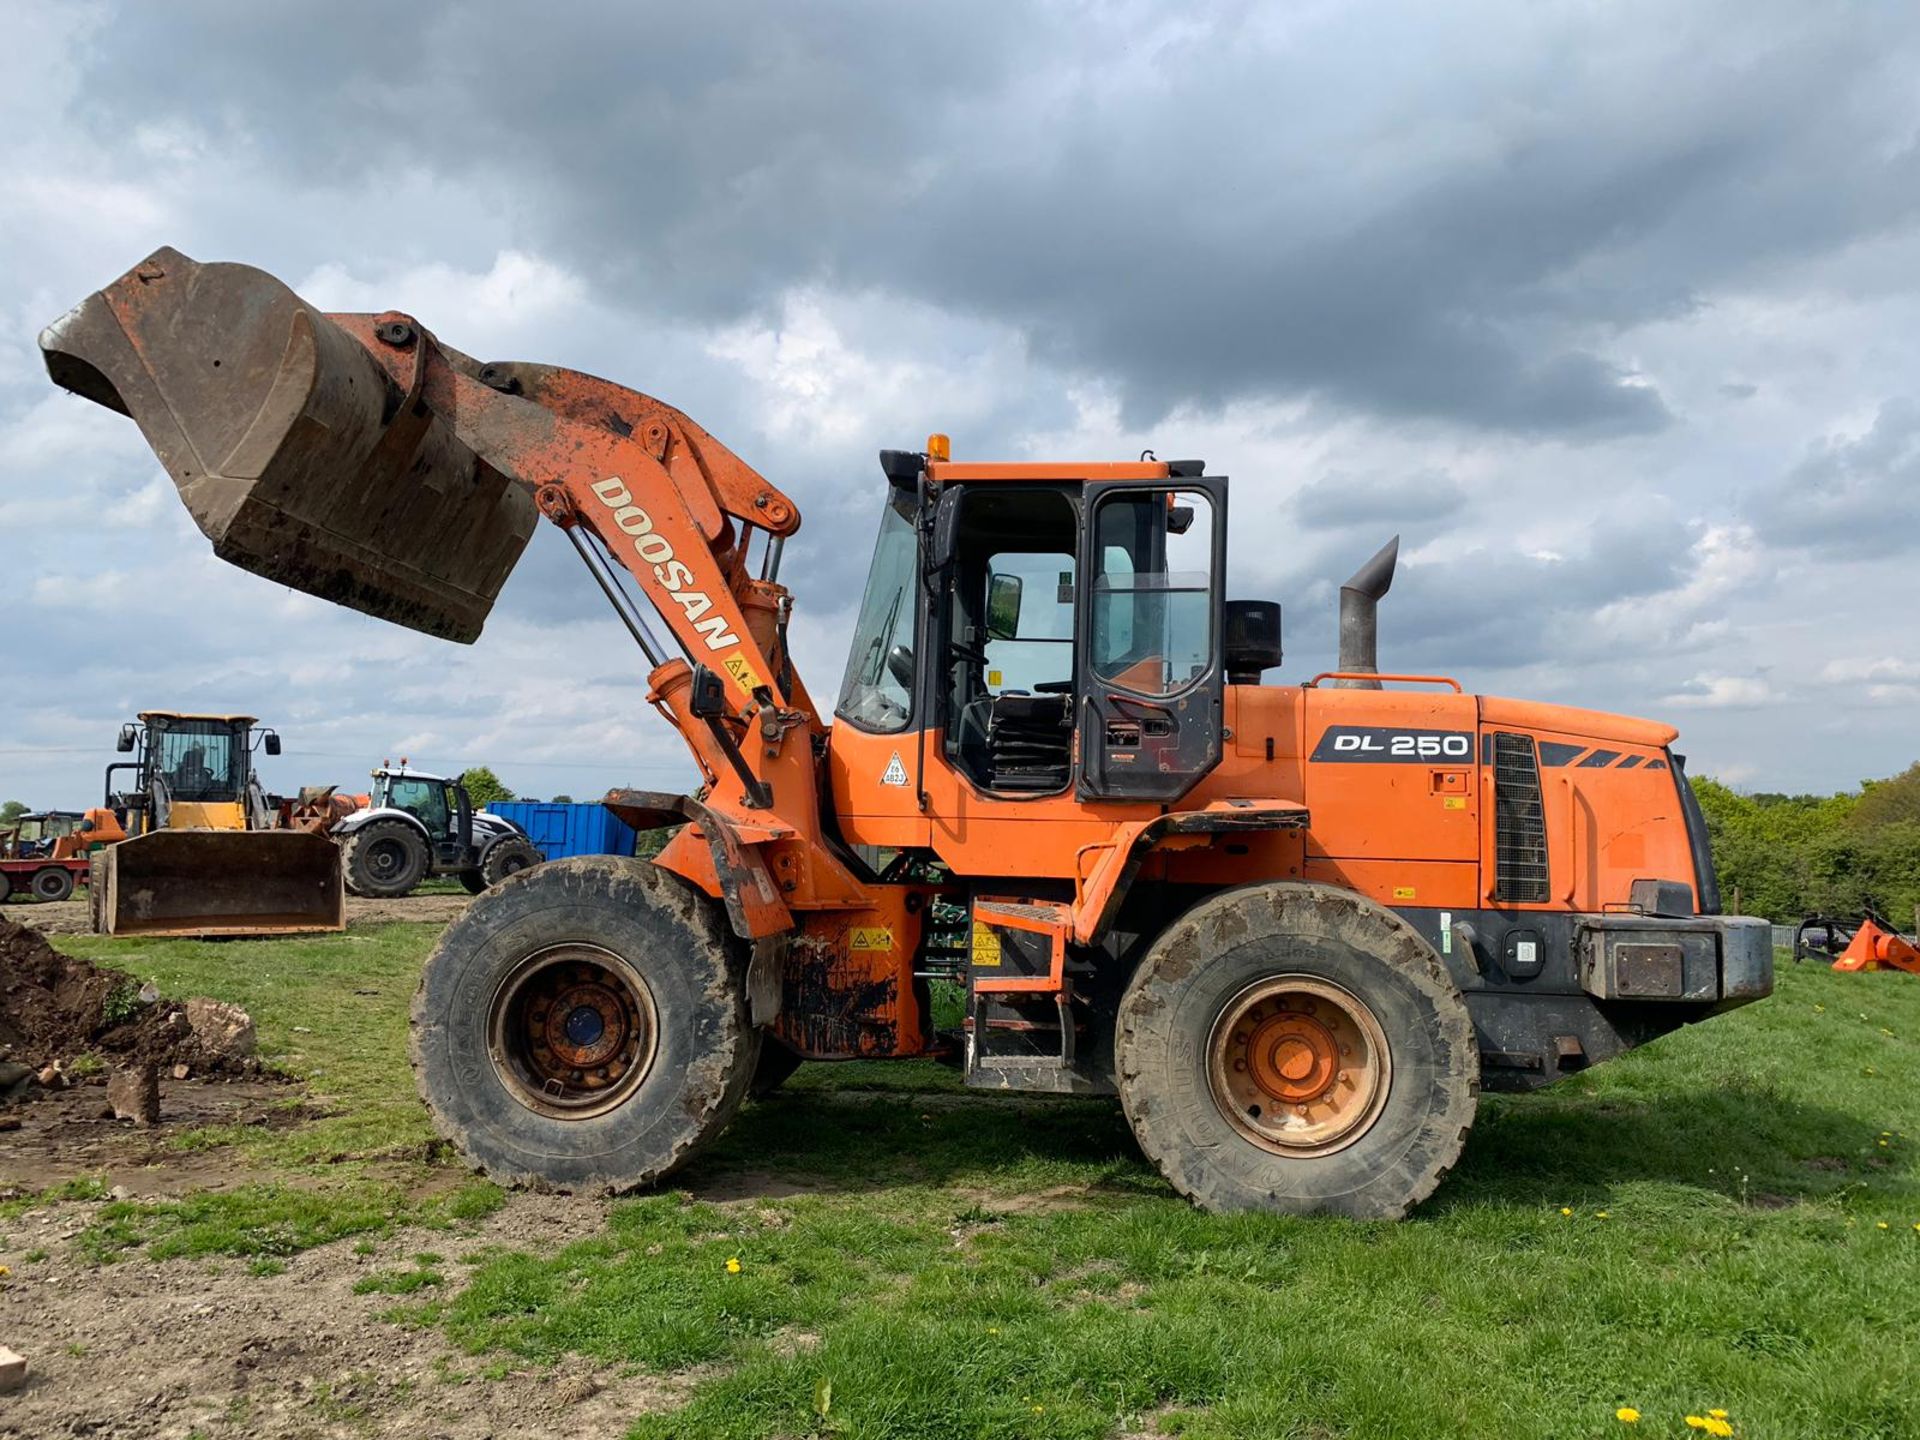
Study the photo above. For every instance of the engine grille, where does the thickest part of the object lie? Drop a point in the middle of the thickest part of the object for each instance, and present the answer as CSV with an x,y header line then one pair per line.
x,y
1520,822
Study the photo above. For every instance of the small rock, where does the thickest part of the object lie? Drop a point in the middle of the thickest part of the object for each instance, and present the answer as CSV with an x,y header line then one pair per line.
x,y
573,1389
134,1093
9,1122
52,1077
176,1021
221,1029
12,1072
149,993
181,1072
119,1192
13,1370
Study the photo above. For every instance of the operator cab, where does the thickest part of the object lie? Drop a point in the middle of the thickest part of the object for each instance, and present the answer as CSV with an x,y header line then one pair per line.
x,y
1062,612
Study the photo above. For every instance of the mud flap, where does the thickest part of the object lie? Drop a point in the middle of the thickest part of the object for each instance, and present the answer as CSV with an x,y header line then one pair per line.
x,y
220,882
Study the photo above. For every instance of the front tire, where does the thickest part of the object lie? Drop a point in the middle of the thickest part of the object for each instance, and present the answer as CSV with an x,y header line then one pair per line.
x,y
384,859
507,857
1299,1049
52,883
584,1026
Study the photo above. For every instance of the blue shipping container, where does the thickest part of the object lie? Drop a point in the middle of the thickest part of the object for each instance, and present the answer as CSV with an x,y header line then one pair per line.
x,y
562,830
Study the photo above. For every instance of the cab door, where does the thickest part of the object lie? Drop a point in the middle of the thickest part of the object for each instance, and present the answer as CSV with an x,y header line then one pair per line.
x,y
1149,679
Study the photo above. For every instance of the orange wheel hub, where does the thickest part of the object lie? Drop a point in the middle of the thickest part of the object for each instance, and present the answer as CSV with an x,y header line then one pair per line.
x,y
1298,1065
573,1031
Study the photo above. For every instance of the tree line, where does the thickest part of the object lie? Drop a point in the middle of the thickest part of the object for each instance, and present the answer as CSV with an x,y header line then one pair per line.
x,y
1785,856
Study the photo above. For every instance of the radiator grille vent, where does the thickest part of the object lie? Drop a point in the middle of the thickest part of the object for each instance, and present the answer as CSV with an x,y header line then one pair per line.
x,y
1520,824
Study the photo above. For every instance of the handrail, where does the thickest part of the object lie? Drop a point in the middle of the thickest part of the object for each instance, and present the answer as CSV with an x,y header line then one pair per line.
x,y
1369,675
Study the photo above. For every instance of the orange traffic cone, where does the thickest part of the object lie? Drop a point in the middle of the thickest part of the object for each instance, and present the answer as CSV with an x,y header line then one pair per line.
x,y
1875,948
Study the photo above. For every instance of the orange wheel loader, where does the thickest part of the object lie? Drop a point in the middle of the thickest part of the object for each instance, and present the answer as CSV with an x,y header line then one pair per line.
x,y
1295,928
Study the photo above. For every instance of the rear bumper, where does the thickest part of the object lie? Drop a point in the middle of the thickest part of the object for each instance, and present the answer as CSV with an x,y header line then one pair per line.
x,y
1720,960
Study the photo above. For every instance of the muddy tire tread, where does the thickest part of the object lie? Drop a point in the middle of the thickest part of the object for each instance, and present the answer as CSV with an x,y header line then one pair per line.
x,y
1160,1139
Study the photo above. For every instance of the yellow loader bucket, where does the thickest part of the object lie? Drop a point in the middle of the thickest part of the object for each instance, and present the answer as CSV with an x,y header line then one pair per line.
x,y
219,882
297,455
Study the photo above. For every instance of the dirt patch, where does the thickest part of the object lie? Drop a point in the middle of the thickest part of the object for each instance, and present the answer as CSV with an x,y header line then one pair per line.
x,y
56,1007
69,1134
73,917
222,1352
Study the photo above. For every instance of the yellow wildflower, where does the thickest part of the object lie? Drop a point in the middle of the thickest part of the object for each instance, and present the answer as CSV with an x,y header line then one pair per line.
x,y
1566,1209
993,1329
1883,1144
733,1265
1696,1422
1718,1428
1627,1415
1601,1215
1717,1414
1881,1223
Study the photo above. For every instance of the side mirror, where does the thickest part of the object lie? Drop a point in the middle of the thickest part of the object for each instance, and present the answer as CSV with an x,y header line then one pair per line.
x,y
272,742
1003,607
709,698
128,737
1179,519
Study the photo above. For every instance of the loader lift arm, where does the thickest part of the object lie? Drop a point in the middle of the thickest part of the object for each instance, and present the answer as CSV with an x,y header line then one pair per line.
x,y
314,449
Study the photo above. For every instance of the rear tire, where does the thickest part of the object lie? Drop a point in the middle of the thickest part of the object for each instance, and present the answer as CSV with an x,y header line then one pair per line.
x,y
52,884
473,881
1297,1048
6,886
584,1026
384,859
507,857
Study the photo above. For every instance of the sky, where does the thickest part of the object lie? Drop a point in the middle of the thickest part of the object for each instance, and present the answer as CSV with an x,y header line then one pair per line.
x,y
1609,311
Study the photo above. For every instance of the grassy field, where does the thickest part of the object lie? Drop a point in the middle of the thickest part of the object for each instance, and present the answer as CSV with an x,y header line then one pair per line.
x,y
1726,1220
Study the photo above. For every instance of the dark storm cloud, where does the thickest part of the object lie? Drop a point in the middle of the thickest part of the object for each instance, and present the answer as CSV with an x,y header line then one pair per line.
x,y
1195,212
1858,497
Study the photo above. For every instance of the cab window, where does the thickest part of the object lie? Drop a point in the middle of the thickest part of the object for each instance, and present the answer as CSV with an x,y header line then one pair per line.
x,y
1152,611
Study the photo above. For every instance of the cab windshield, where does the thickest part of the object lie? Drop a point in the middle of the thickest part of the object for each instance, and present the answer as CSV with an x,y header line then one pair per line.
x,y
201,760
878,691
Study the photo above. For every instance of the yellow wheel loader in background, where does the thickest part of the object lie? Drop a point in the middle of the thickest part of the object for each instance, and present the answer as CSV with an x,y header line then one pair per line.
x,y
191,846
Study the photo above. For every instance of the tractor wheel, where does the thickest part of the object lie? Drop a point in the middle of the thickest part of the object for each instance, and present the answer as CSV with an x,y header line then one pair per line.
x,y
584,1026
1297,1048
384,860
473,881
507,857
776,1067
52,883
6,887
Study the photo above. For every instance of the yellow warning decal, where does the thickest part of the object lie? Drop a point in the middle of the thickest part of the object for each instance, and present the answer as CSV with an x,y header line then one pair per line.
x,y
986,945
1403,892
870,937
736,665
1453,802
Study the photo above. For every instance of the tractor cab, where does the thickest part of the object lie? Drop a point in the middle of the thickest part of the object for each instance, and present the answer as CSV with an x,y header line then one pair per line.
x,y
1045,630
38,835
191,772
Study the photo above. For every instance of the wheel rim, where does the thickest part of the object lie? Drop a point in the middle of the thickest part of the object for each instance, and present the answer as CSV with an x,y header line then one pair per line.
x,y
572,1031
1299,1065
386,859
52,885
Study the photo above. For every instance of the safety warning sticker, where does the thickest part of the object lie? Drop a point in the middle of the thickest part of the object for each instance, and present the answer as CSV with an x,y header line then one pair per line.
x,y
895,773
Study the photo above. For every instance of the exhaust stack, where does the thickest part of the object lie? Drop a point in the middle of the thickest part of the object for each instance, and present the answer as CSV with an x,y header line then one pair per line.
x,y
1360,616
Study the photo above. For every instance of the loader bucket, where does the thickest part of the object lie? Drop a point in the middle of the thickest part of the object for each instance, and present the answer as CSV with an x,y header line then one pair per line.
x,y
220,882
296,454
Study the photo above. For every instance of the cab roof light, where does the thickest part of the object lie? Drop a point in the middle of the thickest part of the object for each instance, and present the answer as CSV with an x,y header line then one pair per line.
x,y
939,447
